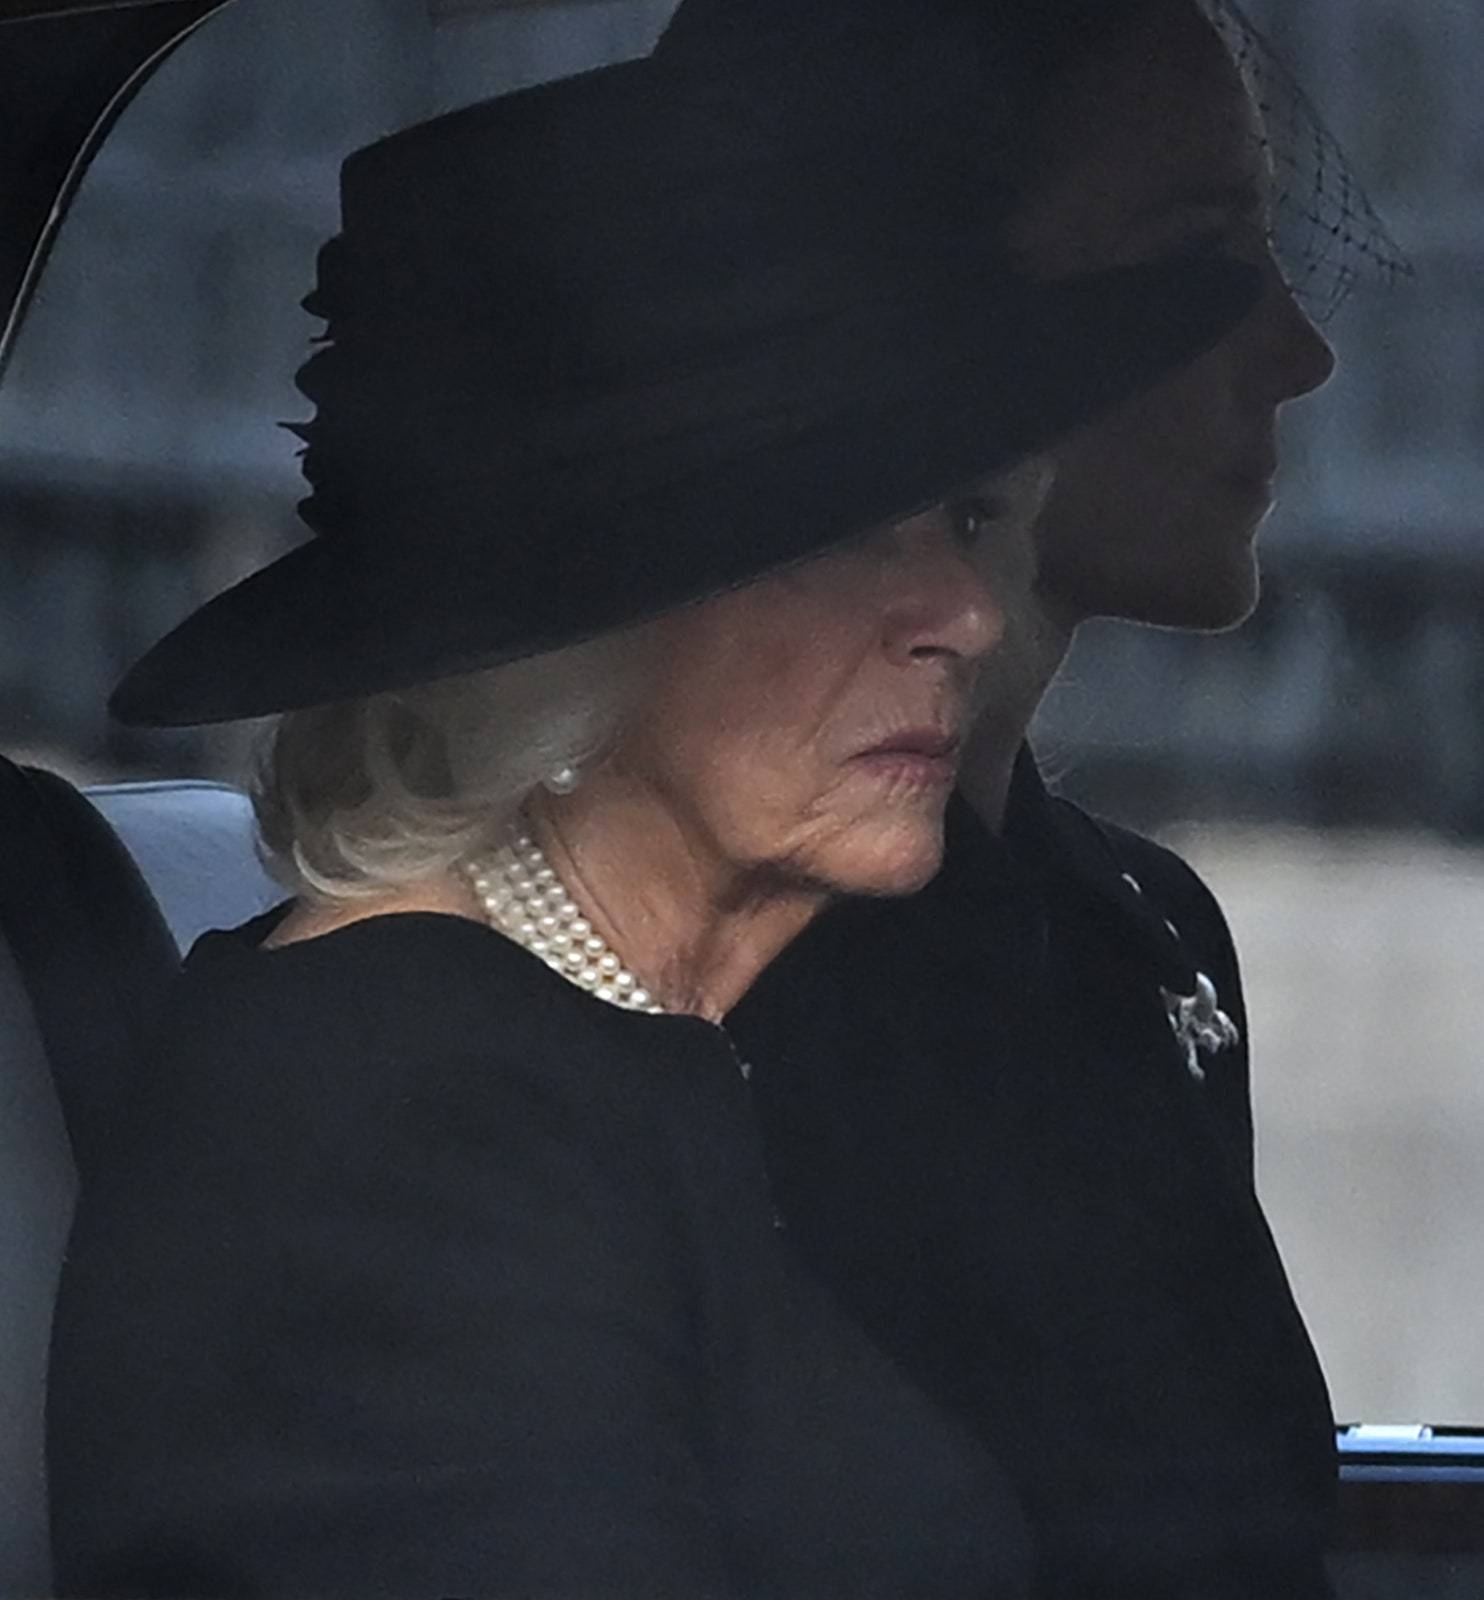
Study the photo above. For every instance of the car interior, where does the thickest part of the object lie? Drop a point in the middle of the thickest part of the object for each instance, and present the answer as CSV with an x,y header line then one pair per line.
x,y
103,887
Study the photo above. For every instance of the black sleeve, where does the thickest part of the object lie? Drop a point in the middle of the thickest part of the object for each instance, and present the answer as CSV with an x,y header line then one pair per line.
x,y
424,1343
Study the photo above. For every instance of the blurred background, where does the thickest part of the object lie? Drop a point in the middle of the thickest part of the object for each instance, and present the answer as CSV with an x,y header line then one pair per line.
x,y
1324,766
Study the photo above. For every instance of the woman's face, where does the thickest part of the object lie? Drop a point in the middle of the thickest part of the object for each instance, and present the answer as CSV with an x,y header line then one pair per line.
x,y
804,732
1157,146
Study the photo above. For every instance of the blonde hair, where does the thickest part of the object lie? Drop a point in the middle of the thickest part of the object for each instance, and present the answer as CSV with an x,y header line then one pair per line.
x,y
366,796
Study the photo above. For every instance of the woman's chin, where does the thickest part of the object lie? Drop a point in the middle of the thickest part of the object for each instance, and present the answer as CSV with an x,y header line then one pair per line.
x,y
1213,597
897,860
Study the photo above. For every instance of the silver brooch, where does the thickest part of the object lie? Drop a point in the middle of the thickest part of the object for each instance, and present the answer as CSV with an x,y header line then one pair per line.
x,y
1200,1025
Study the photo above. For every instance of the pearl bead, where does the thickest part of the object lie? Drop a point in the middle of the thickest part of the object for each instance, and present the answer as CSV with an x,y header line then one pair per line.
x,y
523,897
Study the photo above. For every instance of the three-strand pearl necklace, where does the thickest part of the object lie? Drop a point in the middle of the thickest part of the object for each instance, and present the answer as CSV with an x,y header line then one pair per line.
x,y
524,899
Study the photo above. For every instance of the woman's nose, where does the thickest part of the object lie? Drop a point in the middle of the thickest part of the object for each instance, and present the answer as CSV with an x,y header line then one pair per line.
x,y
1302,359
941,606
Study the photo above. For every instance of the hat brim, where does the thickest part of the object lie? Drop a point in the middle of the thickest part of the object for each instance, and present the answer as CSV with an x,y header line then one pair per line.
x,y
336,619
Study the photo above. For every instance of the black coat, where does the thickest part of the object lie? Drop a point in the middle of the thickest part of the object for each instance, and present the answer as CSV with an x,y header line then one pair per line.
x,y
984,1133
419,1273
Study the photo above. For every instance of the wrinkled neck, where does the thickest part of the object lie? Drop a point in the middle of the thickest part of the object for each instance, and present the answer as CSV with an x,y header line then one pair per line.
x,y
696,933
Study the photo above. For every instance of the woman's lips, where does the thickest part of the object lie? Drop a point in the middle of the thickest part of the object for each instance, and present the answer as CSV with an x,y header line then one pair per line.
x,y
921,756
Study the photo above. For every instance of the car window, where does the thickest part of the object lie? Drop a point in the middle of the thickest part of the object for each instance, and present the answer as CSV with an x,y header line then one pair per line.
x,y
1324,766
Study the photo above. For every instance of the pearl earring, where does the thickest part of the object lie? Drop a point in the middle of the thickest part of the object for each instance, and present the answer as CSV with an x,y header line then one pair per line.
x,y
563,780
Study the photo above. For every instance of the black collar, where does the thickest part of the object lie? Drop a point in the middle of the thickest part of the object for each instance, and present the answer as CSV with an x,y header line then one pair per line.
x,y
1057,843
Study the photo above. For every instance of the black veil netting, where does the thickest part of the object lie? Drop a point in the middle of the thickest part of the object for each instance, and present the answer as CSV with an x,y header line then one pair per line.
x,y
1327,234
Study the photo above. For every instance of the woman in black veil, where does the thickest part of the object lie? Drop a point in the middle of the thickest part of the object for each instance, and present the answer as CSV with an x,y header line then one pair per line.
x,y
1009,1120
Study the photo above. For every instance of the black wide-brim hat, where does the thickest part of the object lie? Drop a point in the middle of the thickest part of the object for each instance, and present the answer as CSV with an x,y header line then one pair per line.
x,y
609,346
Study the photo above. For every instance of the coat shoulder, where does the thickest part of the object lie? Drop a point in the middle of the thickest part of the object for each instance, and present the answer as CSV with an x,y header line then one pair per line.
x,y
1172,881
1179,896
1169,882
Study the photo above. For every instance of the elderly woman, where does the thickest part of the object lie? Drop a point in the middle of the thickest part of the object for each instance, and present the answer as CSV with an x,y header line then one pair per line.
x,y
664,422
